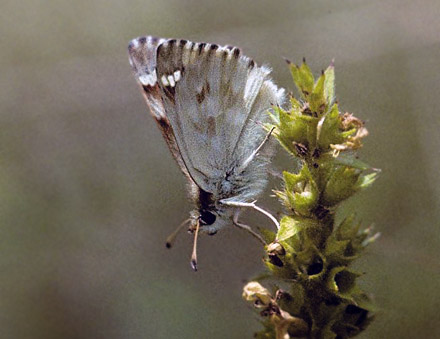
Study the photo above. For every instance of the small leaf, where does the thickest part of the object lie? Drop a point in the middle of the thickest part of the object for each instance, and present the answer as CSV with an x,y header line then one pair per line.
x,y
347,160
335,247
288,228
307,79
303,79
290,180
317,100
292,129
295,104
329,85
366,180
347,229
341,185
363,301
329,129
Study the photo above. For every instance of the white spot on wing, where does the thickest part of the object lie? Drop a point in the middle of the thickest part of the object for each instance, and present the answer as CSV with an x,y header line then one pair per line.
x,y
171,80
144,79
186,53
135,43
177,75
193,56
164,80
156,107
148,79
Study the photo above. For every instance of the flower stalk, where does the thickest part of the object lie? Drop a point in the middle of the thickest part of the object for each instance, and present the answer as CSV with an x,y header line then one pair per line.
x,y
311,254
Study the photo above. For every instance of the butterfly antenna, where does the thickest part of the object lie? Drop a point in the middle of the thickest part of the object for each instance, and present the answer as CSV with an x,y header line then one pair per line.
x,y
172,237
194,253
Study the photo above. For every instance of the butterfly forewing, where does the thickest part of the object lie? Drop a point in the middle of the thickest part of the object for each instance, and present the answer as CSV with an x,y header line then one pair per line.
x,y
143,55
210,105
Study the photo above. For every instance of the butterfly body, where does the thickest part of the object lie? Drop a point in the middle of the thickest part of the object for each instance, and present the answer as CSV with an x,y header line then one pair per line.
x,y
209,102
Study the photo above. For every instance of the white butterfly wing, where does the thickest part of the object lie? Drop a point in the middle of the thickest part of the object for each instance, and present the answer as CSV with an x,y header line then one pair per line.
x,y
212,98
251,182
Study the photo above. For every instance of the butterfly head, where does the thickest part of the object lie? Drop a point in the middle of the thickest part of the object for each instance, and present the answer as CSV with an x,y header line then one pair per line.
x,y
210,220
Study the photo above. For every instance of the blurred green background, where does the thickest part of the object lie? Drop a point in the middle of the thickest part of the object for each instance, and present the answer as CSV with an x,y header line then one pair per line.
x,y
89,191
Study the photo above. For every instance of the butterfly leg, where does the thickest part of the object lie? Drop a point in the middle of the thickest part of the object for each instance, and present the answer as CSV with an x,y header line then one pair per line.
x,y
243,166
251,205
247,228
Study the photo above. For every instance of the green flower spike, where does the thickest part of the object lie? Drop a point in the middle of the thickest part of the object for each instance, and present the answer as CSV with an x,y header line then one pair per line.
x,y
310,254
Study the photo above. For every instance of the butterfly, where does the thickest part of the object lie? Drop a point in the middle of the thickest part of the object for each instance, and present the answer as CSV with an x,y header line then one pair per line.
x,y
210,103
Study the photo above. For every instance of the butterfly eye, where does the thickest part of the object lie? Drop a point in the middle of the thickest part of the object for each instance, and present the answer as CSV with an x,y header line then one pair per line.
x,y
207,218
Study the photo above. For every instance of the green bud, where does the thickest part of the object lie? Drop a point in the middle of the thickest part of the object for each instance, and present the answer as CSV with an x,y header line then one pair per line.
x,y
301,191
341,185
292,127
329,129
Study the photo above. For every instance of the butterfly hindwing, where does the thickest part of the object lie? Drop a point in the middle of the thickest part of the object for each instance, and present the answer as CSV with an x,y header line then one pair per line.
x,y
210,104
251,183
